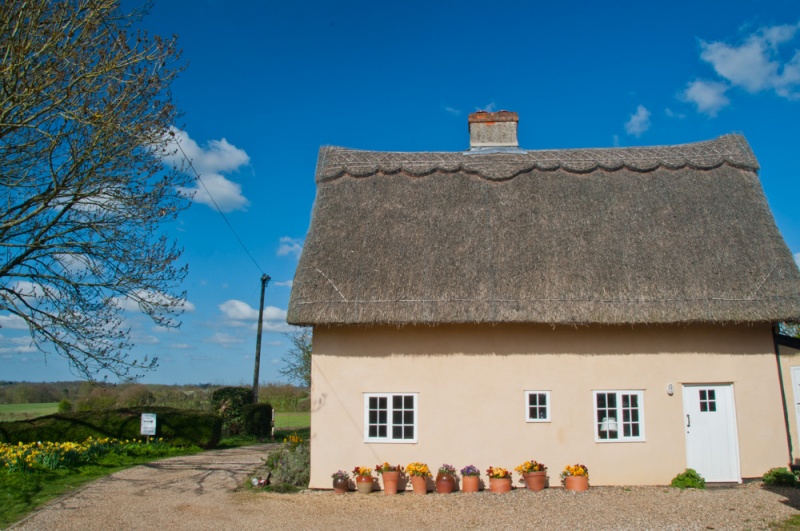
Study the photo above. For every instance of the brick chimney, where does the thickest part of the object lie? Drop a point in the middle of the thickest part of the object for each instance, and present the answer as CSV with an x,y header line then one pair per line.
x,y
493,129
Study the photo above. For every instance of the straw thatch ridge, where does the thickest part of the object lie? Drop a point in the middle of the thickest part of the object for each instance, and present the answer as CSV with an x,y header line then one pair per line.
x,y
671,234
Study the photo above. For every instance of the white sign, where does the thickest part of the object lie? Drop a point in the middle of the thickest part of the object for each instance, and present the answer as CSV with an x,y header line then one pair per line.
x,y
148,423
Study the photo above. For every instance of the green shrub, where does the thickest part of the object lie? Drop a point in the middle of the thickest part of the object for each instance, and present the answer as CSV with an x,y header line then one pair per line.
x,y
290,463
779,477
257,420
689,479
179,426
227,402
65,406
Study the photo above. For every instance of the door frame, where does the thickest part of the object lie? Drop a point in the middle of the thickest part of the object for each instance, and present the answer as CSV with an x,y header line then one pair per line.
x,y
733,433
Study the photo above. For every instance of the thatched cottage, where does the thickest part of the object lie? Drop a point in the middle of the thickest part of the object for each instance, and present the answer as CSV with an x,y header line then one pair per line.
x,y
613,307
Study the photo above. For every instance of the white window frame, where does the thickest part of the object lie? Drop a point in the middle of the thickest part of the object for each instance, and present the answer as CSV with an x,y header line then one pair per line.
x,y
528,407
390,417
619,416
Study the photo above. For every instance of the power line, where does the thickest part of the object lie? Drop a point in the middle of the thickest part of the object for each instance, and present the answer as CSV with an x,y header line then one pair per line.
x,y
214,201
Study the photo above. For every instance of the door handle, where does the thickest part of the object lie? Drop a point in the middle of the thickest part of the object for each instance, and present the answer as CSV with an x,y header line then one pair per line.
x,y
688,421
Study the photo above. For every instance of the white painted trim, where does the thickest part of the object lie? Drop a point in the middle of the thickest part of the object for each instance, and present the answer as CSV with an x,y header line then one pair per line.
x,y
388,439
547,407
621,439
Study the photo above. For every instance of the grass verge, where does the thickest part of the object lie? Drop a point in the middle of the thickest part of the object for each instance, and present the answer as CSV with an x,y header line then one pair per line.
x,y
292,420
12,412
21,493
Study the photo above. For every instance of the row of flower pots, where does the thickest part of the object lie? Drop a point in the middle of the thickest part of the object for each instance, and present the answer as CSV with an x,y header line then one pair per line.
x,y
534,475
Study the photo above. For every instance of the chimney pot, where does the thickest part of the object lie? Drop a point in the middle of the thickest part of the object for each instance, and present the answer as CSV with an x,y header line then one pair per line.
x,y
493,129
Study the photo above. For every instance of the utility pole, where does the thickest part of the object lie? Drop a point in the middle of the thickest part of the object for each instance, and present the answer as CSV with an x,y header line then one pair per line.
x,y
264,279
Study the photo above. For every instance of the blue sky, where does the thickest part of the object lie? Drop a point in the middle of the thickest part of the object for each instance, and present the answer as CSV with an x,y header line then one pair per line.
x,y
270,82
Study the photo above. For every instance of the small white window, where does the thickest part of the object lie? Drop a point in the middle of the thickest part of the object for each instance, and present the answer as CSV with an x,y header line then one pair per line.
x,y
537,406
619,416
390,417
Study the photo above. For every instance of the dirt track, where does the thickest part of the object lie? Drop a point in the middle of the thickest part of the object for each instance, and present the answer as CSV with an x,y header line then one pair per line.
x,y
205,491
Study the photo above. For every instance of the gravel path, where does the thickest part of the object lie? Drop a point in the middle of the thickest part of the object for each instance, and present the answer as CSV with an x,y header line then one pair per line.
x,y
205,491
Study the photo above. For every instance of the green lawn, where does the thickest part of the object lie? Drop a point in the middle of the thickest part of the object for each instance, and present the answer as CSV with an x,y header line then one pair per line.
x,y
292,420
11,412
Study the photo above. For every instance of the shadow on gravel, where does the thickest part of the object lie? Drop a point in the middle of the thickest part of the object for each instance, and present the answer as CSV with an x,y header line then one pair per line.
x,y
791,495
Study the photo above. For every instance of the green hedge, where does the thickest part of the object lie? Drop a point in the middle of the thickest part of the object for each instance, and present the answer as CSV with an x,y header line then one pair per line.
x,y
257,420
178,426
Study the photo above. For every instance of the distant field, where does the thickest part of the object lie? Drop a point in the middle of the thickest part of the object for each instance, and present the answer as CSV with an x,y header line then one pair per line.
x,y
292,420
10,412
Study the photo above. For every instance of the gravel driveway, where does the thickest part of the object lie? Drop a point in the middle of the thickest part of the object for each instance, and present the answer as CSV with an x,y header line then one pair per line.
x,y
205,491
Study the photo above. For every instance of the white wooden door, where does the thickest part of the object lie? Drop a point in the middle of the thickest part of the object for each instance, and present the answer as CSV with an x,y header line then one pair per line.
x,y
712,441
796,389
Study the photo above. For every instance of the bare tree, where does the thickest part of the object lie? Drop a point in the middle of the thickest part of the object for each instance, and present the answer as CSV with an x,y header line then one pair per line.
x,y
85,115
297,360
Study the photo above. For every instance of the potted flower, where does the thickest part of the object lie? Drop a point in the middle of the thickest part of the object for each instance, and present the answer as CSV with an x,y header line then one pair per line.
x,y
446,479
534,474
575,477
341,482
470,479
499,479
364,479
419,473
391,475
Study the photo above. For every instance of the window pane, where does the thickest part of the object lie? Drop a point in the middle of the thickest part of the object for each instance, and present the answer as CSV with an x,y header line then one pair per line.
x,y
373,402
532,399
382,402
542,413
397,417
712,406
626,430
373,431
542,399
409,432
634,400
612,400
626,415
635,430
408,417
408,402
601,400
397,402
712,394
382,417
635,415
397,432
626,400
703,406
382,430
703,395
373,417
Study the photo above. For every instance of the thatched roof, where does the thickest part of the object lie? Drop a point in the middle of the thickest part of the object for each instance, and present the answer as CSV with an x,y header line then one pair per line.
x,y
670,234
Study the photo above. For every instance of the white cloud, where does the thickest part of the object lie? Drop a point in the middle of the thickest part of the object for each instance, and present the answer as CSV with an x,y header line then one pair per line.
x,y
13,322
639,122
453,111
709,96
290,246
211,162
241,311
797,259
221,338
285,284
488,108
182,346
672,114
756,65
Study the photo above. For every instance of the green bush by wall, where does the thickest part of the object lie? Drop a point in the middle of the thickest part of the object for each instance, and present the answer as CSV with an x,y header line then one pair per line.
x,y
178,426
257,420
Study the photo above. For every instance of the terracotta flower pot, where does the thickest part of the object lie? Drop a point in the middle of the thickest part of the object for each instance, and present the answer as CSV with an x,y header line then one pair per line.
x,y
390,480
341,485
445,483
500,485
470,484
364,484
535,480
576,483
419,484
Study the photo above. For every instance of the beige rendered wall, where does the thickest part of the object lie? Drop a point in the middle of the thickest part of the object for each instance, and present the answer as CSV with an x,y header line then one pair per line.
x,y
471,382
789,358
